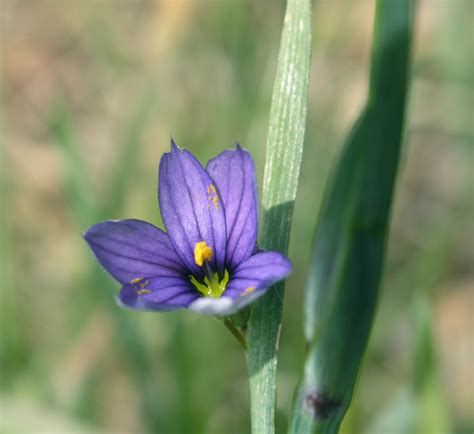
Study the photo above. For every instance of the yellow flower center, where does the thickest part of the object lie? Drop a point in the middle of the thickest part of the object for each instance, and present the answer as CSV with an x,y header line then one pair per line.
x,y
212,286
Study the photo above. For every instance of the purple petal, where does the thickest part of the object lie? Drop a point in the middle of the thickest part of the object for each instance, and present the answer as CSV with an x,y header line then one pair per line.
x,y
215,306
234,174
158,293
258,272
250,280
191,209
224,306
130,249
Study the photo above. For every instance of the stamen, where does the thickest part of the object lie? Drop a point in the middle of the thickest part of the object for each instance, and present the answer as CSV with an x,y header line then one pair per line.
x,y
208,272
247,291
202,253
212,197
212,285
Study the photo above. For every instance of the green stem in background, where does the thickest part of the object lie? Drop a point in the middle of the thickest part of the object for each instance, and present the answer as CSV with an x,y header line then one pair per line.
x,y
430,412
283,159
236,332
346,264
87,210
10,344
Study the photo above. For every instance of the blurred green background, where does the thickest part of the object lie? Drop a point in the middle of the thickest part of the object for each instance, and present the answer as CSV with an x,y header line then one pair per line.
x,y
91,92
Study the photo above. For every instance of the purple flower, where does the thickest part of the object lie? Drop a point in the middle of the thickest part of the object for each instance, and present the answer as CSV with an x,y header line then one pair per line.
x,y
208,260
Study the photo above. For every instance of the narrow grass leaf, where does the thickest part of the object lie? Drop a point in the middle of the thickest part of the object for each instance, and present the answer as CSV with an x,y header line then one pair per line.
x,y
13,345
129,155
346,263
283,159
87,210
429,407
77,188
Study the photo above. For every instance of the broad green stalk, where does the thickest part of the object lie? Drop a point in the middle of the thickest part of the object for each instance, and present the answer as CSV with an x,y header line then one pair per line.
x,y
346,264
283,160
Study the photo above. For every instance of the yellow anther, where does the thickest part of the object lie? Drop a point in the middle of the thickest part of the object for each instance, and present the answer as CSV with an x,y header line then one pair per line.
x,y
140,284
202,252
212,196
248,291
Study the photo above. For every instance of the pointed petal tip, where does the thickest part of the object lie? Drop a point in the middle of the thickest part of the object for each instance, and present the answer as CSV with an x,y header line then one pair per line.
x,y
89,233
239,148
174,146
86,233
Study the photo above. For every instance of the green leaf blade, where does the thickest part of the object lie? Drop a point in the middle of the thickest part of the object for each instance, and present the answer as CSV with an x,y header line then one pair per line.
x,y
346,264
283,160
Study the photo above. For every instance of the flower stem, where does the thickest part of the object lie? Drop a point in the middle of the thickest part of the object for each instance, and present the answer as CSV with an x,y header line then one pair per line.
x,y
283,160
236,332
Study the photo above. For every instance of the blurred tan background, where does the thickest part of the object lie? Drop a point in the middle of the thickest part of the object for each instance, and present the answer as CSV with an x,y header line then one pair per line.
x,y
92,91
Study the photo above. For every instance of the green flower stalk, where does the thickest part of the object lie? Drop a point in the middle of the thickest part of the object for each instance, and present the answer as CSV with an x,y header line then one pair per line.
x,y
283,160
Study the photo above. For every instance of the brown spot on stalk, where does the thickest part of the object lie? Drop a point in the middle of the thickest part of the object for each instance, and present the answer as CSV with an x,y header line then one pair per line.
x,y
321,406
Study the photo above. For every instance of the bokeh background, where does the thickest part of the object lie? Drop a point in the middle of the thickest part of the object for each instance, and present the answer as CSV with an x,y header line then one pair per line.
x,y
92,91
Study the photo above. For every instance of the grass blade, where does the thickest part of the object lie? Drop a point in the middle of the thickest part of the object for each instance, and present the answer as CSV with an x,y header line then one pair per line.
x,y
13,346
77,188
88,210
283,159
429,407
346,264
129,159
